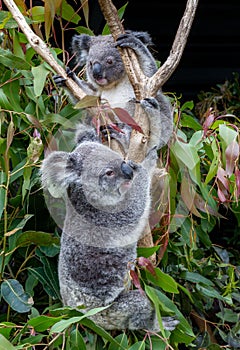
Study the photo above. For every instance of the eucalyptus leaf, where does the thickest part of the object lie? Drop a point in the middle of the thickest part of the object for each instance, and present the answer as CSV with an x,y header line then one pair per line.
x,y
36,237
163,280
40,274
14,294
140,345
76,340
196,278
122,340
39,78
227,134
42,323
64,324
5,344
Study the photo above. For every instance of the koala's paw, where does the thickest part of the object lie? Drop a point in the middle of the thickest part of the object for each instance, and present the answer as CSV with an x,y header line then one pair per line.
x,y
150,104
128,40
60,81
169,323
121,134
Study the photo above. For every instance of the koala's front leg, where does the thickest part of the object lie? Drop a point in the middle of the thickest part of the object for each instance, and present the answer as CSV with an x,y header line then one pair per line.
x,y
85,86
159,112
146,60
153,110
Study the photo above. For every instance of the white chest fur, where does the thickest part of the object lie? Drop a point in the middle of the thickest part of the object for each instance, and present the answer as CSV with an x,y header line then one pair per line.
x,y
118,95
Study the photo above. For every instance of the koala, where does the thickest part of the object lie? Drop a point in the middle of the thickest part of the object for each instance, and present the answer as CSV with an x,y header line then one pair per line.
x,y
107,78
107,203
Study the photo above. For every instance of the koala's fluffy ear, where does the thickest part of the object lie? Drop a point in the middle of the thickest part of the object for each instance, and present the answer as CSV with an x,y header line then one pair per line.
x,y
143,36
53,173
80,46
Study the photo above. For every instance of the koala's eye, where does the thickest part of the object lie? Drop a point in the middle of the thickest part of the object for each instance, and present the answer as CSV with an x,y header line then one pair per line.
x,y
110,173
109,61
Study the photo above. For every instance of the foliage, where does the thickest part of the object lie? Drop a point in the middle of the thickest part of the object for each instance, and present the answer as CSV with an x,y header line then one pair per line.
x,y
224,98
197,278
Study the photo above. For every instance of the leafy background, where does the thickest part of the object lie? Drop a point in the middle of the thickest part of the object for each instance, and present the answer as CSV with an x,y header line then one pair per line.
x,y
195,224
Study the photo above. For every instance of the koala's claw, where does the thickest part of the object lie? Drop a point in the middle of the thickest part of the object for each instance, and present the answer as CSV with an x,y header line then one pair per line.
x,y
70,73
126,40
122,136
60,81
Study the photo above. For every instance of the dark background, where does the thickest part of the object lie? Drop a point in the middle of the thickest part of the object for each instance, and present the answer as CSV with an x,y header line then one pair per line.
x,y
212,53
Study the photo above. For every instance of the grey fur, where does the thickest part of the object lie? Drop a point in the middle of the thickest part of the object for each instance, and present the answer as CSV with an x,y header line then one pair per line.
x,y
107,78
107,207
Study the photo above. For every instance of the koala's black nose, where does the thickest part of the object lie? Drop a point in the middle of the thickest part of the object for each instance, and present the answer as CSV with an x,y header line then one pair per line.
x,y
97,70
127,171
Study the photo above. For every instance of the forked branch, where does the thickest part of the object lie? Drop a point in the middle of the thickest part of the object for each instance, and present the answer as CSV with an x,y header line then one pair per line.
x,y
166,70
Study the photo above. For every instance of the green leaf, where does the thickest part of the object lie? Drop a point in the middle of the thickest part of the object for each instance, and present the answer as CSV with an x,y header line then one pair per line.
x,y
36,237
64,324
187,154
227,134
5,344
187,105
6,329
210,292
42,323
11,61
19,226
2,199
39,77
40,274
183,326
228,315
122,340
33,339
196,278
14,294
189,122
69,14
214,347
85,322
140,345
151,293
76,340
146,252
50,269
87,101
12,92
26,181
163,280
37,14
121,11
4,102
57,118
214,163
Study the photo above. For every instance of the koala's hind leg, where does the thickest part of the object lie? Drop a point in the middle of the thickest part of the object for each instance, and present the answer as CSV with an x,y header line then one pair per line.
x,y
132,310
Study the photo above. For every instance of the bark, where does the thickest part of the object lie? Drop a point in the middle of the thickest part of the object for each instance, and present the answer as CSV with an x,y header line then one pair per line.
x,y
143,86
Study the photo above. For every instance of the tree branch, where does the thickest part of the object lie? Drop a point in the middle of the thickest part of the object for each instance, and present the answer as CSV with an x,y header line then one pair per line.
x,y
167,69
129,58
41,48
